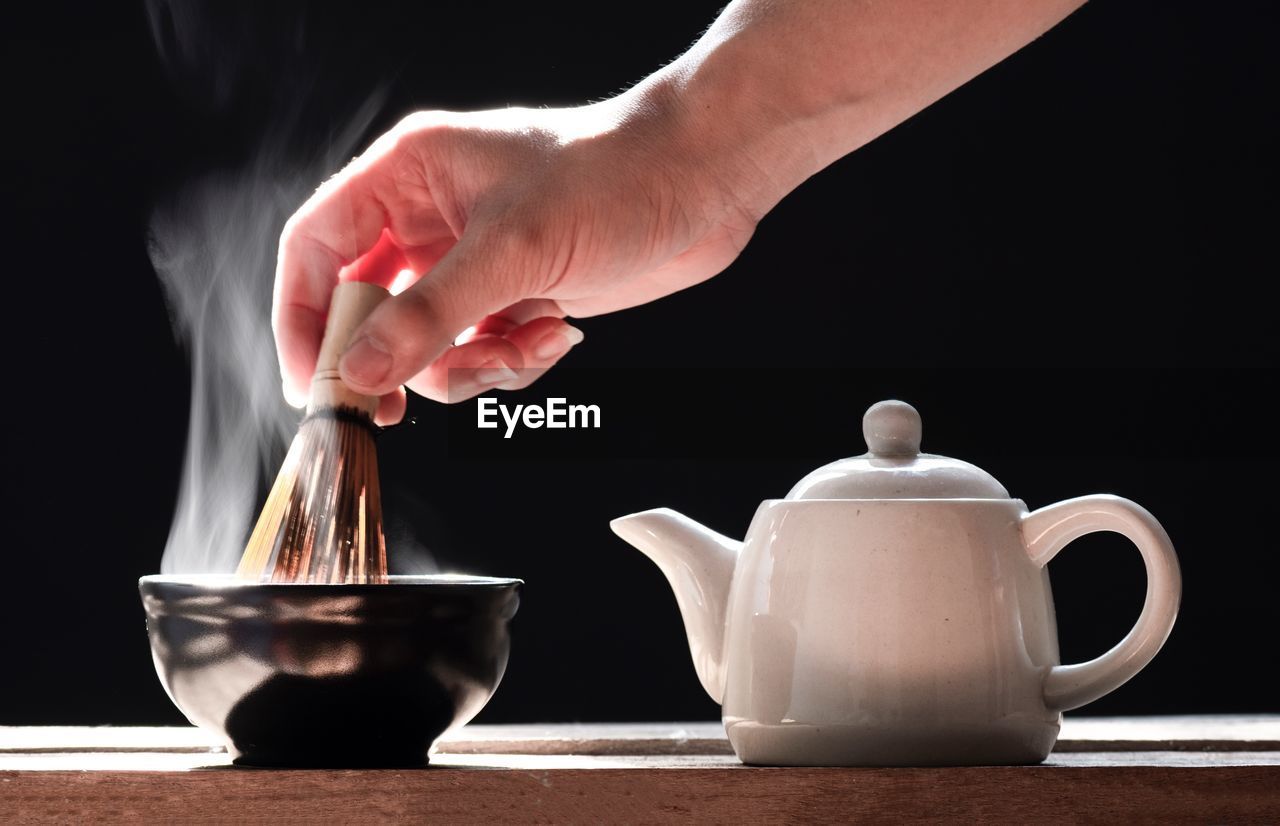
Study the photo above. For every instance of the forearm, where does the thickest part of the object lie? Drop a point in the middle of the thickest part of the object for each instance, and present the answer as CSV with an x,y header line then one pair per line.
x,y
777,90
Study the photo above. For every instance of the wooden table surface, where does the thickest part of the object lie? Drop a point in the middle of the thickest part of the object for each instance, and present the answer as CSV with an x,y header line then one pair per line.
x,y
1193,769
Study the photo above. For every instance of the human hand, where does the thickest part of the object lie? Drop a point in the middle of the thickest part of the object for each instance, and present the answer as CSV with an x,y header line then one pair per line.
x,y
513,219
510,221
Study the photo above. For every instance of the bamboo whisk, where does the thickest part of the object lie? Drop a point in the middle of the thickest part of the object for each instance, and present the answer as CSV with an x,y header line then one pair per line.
x,y
322,521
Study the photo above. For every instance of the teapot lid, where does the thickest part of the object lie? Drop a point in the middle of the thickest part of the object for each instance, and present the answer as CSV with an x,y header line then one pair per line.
x,y
894,468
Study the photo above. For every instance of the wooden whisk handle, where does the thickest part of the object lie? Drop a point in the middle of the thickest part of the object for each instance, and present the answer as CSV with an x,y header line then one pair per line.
x,y
351,304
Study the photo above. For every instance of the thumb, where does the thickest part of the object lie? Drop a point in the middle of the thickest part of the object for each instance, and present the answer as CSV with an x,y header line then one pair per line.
x,y
407,332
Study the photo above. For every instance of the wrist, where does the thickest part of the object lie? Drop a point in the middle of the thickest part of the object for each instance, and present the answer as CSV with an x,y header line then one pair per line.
x,y
729,148
754,153
726,110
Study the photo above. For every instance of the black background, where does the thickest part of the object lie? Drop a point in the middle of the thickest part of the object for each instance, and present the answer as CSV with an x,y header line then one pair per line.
x,y
1104,200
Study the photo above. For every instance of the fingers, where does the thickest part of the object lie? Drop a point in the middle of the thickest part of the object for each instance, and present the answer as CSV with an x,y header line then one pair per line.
x,y
497,362
305,328
479,276
298,333
342,221
391,407
522,312
380,265
469,369
543,342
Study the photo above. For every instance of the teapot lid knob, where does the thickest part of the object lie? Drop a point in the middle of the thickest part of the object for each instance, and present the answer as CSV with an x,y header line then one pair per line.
x,y
894,468
892,428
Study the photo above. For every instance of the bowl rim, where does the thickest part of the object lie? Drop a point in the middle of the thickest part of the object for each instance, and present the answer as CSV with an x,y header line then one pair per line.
x,y
395,582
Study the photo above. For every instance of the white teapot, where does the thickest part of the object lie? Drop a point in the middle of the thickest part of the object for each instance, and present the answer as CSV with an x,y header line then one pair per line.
x,y
895,609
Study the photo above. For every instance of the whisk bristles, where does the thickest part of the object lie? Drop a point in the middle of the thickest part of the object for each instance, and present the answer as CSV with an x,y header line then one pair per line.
x,y
322,521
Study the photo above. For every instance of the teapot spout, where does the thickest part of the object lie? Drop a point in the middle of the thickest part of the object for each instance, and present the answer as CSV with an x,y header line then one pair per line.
x,y
699,563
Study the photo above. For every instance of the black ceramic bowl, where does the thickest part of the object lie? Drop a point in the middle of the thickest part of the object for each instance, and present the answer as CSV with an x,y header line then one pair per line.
x,y
329,675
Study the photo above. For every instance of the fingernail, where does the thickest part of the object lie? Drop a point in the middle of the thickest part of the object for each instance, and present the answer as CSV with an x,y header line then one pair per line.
x,y
495,372
293,398
365,362
554,345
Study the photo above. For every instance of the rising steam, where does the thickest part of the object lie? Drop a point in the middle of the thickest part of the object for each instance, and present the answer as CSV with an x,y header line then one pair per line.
x,y
213,245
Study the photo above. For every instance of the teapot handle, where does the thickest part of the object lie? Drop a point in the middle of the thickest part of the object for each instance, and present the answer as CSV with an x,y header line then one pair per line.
x,y
1048,530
